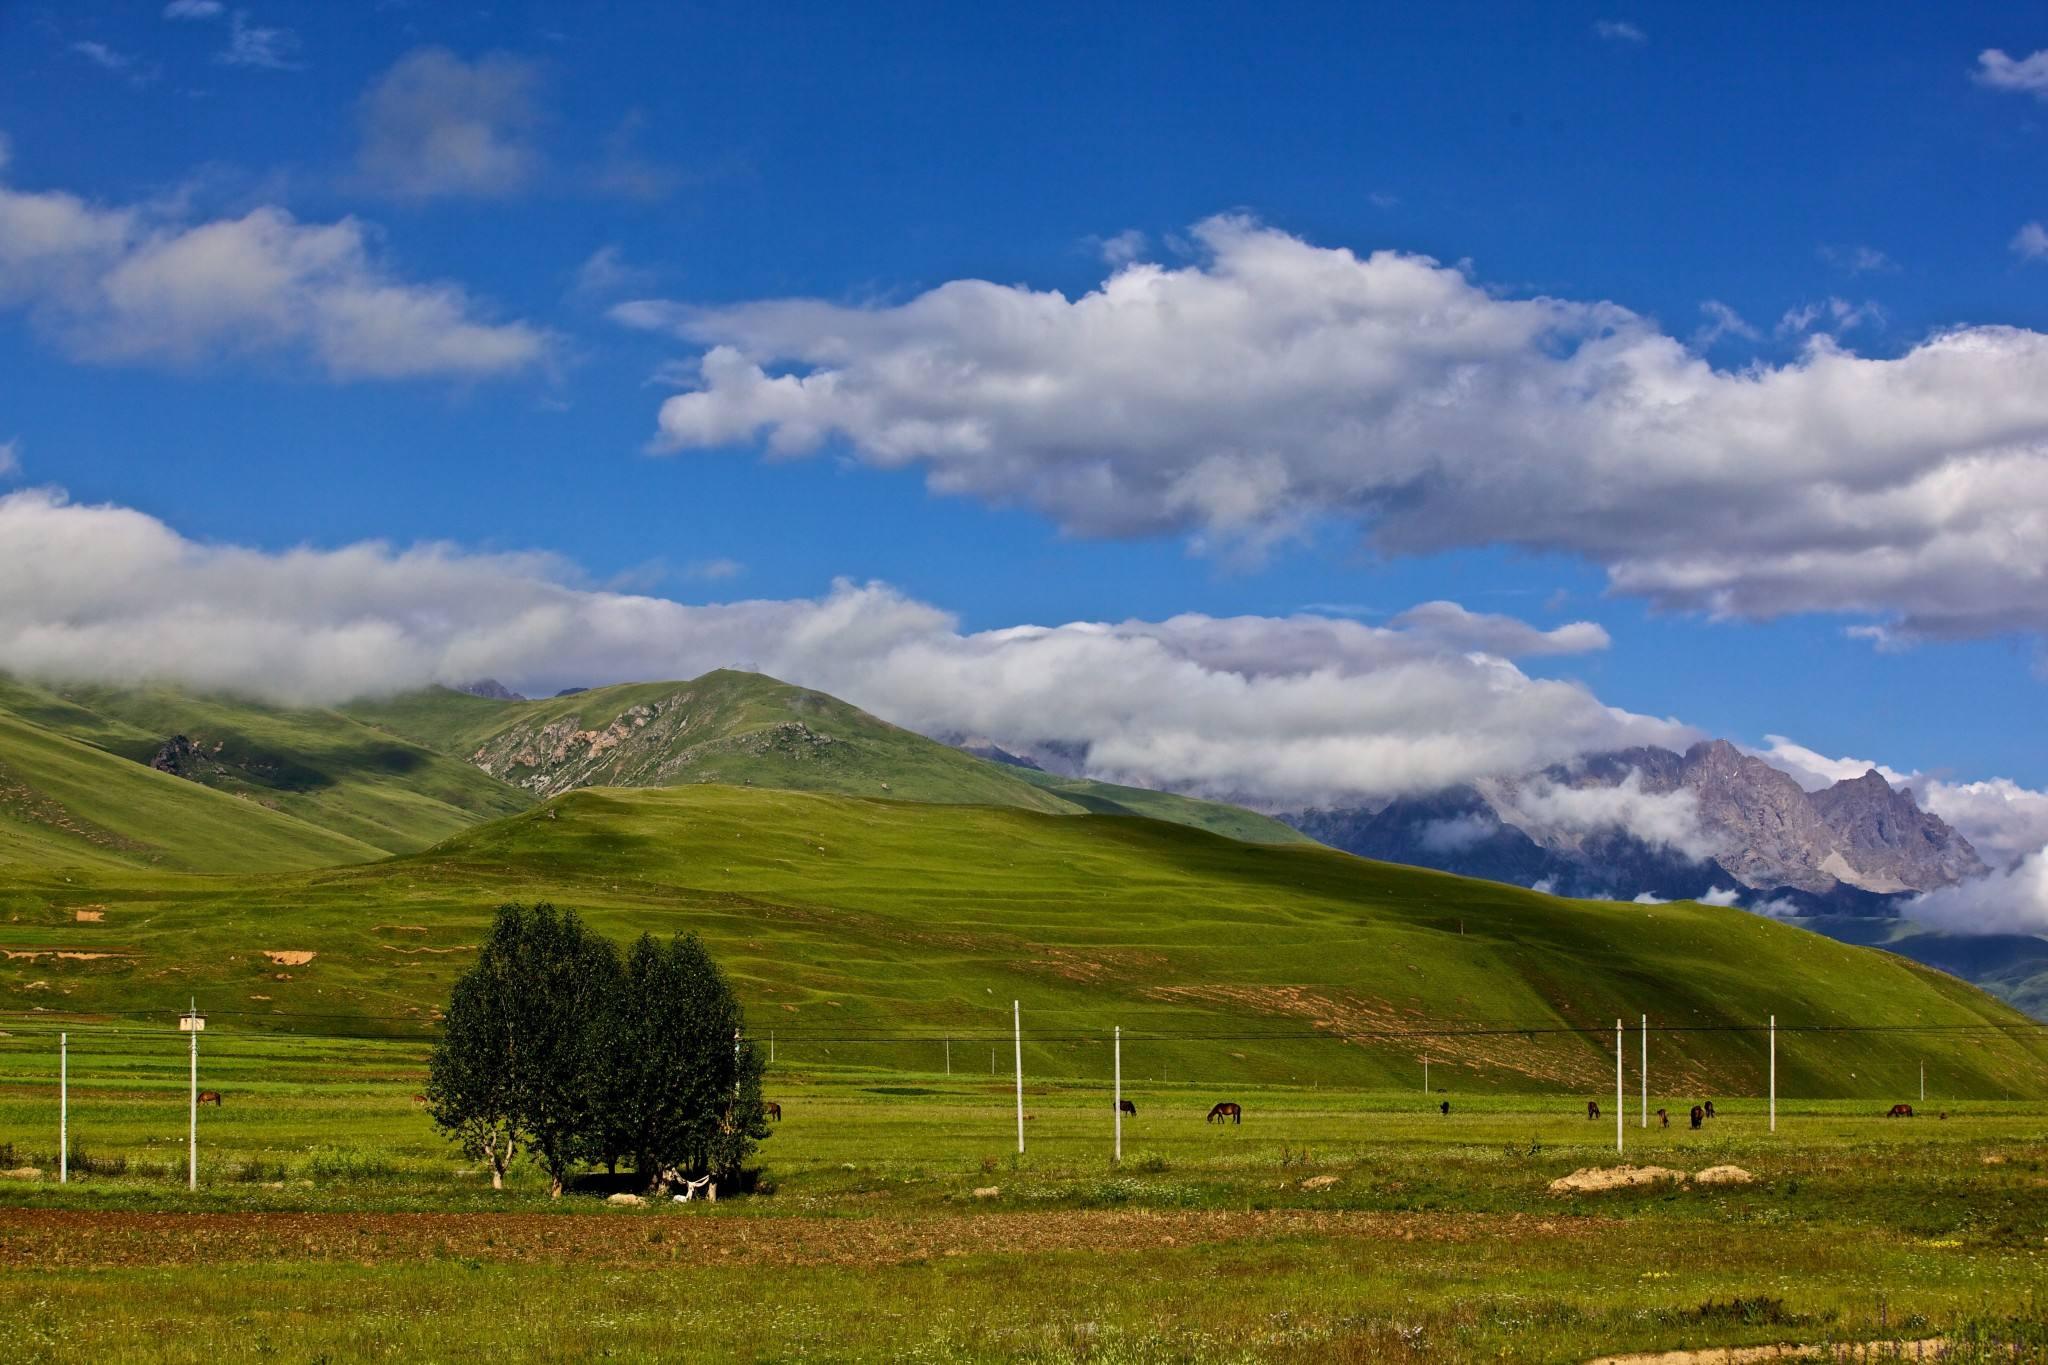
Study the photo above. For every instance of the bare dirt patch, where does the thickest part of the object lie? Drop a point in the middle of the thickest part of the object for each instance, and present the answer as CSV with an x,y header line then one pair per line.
x,y
93,1238
289,957
1724,1175
90,916
1595,1179
1930,1348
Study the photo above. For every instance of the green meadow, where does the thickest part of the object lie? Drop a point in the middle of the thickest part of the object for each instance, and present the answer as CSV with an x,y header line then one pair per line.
x,y
895,1219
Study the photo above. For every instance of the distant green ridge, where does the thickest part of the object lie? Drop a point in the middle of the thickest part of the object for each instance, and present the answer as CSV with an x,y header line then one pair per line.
x,y
376,794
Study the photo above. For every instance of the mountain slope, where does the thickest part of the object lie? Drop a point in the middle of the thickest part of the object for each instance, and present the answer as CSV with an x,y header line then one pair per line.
x,y
64,803
869,930
327,770
744,729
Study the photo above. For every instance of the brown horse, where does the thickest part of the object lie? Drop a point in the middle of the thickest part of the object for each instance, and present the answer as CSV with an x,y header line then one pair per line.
x,y
1698,1115
211,1097
1126,1107
1900,1111
1444,1108
771,1109
1663,1119
419,1099
1709,1107
1226,1111
1592,1109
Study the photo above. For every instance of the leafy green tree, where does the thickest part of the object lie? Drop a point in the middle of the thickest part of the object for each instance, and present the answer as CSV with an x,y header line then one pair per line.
x,y
679,1085
517,1051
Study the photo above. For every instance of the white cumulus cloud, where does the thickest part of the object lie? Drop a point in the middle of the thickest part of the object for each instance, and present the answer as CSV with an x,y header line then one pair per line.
x,y
138,284
435,124
2027,75
2010,902
1269,384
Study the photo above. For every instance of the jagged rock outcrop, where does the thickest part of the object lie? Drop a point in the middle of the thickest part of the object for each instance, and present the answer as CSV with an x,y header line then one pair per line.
x,y
1888,842
490,688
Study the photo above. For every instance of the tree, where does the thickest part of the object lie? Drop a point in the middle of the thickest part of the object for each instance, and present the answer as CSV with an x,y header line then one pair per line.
x,y
679,1085
514,1062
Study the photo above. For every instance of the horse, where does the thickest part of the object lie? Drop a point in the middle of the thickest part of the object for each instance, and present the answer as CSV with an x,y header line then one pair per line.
x,y
1698,1115
1226,1111
1900,1111
1663,1119
1592,1109
1709,1107
419,1099
771,1109
211,1097
1126,1107
1444,1108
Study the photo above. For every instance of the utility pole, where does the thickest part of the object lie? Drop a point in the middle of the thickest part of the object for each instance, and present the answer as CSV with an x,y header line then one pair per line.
x,y
1425,1075
63,1108
1923,1082
1646,1071
1774,1073
949,1056
1618,1092
771,1047
1119,1052
192,1023
1017,1021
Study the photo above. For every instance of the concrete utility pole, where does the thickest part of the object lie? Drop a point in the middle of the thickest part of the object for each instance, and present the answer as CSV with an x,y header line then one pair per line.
x,y
1425,1075
949,1056
1923,1082
1618,1092
192,1023
1119,1048
1646,1071
63,1108
1774,1073
1017,1021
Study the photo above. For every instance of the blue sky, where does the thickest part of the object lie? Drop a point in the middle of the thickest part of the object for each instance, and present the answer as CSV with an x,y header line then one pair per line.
x,y
1674,161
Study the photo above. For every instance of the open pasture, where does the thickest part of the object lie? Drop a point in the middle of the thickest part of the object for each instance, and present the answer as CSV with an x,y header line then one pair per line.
x,y
1336,1224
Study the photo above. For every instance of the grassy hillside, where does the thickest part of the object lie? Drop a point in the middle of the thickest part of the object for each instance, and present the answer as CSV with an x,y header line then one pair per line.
x,y
869,930
749,730
376,793
67,804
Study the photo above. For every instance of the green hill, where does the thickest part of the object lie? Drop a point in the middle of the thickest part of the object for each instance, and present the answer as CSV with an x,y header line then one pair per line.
x,y
64,803
865,930
744,729
349,783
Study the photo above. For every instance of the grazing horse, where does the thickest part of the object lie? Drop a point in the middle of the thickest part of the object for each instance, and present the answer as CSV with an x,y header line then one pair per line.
x,y
419,1099
211,1097
1444,1108
1698,1114
1900,1111
1709,1107
1126,1107
1663,1119
771,1109
1592,1109
1226,1111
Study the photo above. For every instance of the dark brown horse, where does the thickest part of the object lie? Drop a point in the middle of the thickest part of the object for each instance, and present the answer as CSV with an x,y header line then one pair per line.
x,y
771,1109
1900,1111
1226,1111
1709,1107
1663,1119
1592,1109
211,1097
1126,1107
1444,1108
1698,1116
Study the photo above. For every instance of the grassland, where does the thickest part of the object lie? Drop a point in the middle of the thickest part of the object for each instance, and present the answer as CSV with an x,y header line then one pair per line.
x,y
1334,1224
865,931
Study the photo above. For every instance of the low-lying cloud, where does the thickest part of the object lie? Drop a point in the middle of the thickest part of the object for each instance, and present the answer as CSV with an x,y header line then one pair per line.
x,y
1285,709
1268,385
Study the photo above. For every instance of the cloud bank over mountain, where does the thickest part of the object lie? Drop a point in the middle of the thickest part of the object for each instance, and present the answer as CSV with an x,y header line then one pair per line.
x,y
1267,385
1284,711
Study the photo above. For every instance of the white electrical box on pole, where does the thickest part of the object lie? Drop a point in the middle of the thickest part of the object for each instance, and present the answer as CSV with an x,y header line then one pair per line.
x,y
1017,1021
1119,1051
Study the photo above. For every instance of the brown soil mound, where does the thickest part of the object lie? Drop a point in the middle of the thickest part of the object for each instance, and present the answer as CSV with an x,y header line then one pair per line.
x,y
1594,1179
289,957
